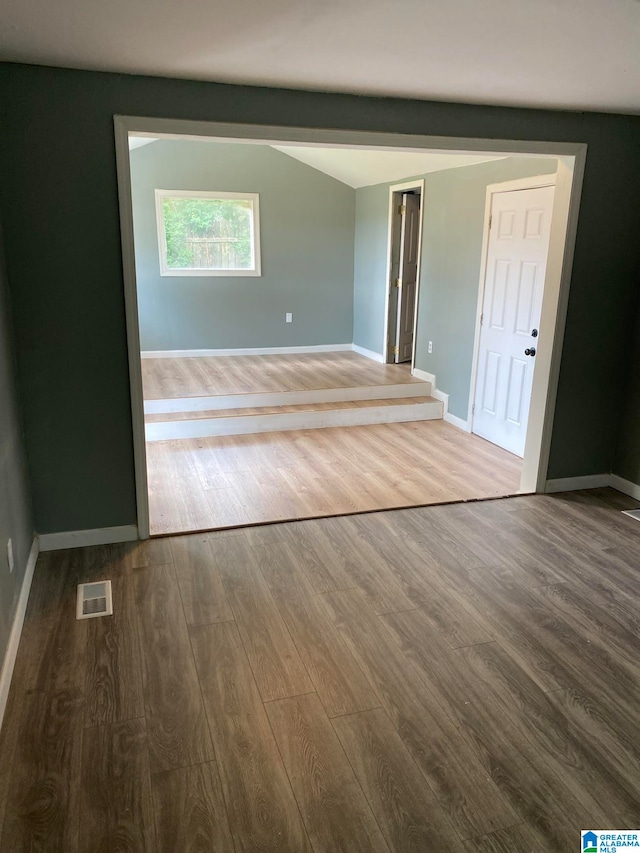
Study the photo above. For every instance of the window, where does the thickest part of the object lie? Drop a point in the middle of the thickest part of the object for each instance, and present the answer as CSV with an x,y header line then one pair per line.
x,y
208,233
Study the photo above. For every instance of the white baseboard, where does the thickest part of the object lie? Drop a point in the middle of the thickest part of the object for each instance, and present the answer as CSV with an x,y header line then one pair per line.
x,y
368,353
575,484
455,421
426,377
82,538
209,353
16,629
625,486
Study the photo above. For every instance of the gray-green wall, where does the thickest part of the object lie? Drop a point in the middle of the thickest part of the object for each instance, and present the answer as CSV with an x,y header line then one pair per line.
x,y
626,463
451,259
453,220
306,234
370,273
15,504
58,191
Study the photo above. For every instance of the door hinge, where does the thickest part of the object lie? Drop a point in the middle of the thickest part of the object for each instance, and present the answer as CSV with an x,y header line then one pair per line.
x,y
473,409
396,350
402,209
482,318
398,282
490,220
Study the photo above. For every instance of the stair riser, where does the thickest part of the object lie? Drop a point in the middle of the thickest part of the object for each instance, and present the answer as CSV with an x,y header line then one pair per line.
x,y
287,398
205,427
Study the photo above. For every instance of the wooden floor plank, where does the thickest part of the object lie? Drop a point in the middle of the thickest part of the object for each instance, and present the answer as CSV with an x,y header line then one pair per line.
x,y
116,808
263,813
515,839
42,807
331,801
176,726
205,376
190,811
521,755
469,797
332,668
274,659
419,572
201,589
405,807
113,683
285,476
511,688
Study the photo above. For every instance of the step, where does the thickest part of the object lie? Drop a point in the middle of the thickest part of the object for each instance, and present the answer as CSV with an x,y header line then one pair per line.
x,y
415,388
305,416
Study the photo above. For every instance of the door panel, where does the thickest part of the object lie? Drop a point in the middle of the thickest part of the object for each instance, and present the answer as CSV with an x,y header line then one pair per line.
x,y
512,305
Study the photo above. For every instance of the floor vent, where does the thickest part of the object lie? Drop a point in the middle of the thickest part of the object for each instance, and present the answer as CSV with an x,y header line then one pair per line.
x,y
632,513
94,599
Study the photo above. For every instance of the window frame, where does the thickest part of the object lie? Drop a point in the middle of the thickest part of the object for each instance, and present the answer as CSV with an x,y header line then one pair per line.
x,y
165,270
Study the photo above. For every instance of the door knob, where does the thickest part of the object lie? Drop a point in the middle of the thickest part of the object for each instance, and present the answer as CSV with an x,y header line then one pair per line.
x,y
534,333
530,351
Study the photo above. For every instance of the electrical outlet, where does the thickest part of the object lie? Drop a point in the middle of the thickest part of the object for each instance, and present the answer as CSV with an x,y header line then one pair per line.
x,y
288,318
430,346
10,554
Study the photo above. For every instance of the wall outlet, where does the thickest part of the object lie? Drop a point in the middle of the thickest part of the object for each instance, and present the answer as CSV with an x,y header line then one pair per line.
x,y
288,318
430,346
10,554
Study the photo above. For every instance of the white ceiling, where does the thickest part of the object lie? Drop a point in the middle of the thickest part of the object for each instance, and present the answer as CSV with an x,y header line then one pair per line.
x,y
361,168
140,141
580,54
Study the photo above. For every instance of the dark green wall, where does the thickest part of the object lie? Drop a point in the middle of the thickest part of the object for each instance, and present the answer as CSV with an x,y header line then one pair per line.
x,y
626,463
59,195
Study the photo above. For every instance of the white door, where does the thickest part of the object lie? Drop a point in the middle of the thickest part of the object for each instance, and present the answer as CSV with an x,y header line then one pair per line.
x,y
408,276
512,304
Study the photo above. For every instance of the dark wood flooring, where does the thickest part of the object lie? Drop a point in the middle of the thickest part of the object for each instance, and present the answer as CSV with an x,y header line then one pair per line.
x,y
460,678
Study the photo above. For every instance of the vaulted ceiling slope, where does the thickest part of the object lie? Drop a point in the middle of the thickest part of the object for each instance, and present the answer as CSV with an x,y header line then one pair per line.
x,y
575,54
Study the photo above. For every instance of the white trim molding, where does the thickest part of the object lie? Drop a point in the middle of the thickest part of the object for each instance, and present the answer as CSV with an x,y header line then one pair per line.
x,y
252,198
426,377
571,158
16,628
625,486
82,538
368,353
214,353
455,421
576,484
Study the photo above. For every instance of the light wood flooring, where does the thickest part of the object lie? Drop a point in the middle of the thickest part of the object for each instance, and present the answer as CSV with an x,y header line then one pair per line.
x,y
208,483
164,378
456,678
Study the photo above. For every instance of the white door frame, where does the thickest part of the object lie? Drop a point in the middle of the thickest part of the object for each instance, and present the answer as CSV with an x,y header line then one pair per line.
x,y
571,158
526,483
418,184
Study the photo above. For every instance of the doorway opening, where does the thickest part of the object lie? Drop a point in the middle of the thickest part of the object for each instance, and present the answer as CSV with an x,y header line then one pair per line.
x,y
334,428
404,250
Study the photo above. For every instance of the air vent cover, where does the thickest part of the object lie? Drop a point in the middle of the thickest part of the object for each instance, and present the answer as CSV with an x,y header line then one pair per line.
x,y
632,513
94,599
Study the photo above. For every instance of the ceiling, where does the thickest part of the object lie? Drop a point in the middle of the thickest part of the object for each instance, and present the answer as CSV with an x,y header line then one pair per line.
x,y
577,54
362,168
356,167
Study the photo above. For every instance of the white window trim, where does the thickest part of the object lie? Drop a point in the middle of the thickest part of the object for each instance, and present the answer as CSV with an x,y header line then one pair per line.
x,y
162,242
